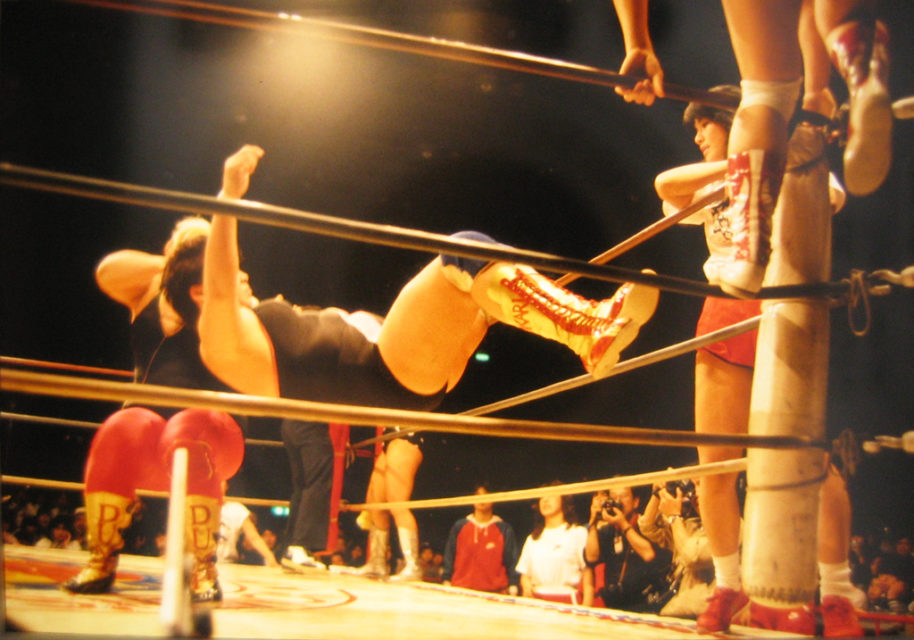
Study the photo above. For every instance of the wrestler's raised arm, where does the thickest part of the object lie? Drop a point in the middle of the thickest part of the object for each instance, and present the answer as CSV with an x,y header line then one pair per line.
x,y
233,343
130,277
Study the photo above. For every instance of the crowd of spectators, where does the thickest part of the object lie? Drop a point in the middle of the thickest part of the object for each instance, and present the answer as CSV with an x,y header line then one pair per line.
x,y
673,578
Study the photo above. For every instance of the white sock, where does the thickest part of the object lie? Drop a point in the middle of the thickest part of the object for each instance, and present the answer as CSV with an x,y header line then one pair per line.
x,y
835,579
726,570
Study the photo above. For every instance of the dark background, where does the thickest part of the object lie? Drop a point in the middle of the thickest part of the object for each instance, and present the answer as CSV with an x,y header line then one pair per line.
x,y
382,136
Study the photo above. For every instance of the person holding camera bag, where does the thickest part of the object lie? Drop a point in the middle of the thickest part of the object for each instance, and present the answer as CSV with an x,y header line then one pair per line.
x,y
632,566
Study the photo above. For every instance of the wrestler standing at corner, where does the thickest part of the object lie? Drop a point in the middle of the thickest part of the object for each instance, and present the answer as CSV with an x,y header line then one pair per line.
x,y
134,446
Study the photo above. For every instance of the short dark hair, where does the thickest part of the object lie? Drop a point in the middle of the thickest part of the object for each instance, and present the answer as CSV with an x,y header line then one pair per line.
x,y
724,117
184,269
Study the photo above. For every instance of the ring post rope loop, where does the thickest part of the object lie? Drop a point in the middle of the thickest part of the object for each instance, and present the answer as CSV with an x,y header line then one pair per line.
x,y
859,292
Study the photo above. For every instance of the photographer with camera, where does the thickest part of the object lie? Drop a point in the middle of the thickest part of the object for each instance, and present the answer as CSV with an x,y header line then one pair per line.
x,y
672,520
632,566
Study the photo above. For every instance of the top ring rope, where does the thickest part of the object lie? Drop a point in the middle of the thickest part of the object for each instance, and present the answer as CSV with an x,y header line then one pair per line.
x,y
404,238
156,395
431,47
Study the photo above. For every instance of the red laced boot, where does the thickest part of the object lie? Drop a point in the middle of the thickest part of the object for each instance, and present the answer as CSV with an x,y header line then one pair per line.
x,y
754,182
595,330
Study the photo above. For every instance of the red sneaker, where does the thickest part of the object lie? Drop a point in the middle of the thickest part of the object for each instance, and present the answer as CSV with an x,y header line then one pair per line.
x,y
839,618
795,620
722,606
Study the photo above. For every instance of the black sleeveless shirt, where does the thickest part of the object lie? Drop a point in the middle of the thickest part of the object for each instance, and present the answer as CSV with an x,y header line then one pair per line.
x,y
172,361
323,358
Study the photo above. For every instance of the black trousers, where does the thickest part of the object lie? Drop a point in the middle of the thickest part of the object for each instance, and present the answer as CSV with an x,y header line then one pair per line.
x,y
311,461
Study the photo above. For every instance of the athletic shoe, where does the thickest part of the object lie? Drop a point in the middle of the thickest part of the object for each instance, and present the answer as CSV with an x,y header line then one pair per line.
x,y
793,620
839,618
723,605
296,558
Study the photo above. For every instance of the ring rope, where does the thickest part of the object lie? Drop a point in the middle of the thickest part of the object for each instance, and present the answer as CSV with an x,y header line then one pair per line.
x,y
650,231
388,235
59,422
63,366
573,383
712,468
79,486
404,43
156,395
85,424
288,218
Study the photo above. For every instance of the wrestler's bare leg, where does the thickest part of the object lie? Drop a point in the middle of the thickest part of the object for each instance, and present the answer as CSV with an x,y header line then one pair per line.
x,y
429,331
764,37
722,396
403,460
722,393
377,492
816,64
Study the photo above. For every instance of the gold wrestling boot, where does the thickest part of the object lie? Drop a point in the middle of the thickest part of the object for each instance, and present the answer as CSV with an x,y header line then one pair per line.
x,y
201,526
597,331
106,515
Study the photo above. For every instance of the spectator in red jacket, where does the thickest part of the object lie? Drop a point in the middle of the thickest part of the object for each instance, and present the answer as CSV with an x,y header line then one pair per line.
x,y
481,551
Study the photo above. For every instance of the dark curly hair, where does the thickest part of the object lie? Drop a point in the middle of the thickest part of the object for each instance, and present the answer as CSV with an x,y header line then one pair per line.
x,y
724,117
184,269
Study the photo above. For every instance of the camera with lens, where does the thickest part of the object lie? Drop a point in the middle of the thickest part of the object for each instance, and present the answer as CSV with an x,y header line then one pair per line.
x,y
686,486
688,496
609,505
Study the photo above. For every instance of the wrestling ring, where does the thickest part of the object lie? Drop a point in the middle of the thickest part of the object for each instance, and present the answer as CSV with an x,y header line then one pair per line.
x,y
149,598
278,597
